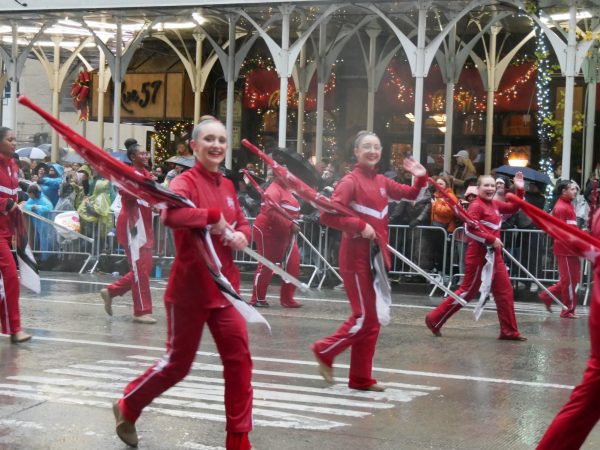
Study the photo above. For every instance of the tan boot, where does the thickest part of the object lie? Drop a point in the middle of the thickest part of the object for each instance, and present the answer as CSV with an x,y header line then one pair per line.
x,y
146,319
107,299
125,429
324,370
19,336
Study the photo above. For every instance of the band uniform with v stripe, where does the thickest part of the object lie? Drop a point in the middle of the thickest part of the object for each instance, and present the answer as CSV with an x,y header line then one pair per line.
x,y
9,306
273,235
368,193
489,216
140,291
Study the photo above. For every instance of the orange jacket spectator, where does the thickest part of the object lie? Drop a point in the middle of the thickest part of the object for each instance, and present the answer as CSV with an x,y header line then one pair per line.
x,y
442,213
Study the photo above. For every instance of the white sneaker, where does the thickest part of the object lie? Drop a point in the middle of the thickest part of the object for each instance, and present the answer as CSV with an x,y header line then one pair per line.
x,y
533,288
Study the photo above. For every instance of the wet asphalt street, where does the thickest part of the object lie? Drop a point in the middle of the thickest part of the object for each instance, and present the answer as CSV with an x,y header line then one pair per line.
x,y
466,390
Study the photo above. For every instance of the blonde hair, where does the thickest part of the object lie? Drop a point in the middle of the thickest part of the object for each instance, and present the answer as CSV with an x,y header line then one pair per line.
x,y
204,120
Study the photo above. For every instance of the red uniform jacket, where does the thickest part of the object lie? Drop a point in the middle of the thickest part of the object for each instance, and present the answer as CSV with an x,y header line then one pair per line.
x,y
9,182
269,220
129,202
565,211
190,282
368,193
489,215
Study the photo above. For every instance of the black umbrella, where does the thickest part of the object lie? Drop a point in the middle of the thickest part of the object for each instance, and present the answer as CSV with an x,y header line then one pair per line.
x,y
528,173
297,165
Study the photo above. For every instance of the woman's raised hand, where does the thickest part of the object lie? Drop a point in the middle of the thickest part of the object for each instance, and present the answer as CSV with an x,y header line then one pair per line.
x,y
415,167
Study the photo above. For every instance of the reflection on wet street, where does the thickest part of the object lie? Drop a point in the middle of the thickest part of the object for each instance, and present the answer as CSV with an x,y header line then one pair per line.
x,y
465,390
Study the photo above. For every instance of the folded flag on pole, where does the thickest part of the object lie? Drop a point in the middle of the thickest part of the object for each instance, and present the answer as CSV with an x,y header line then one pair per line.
x,y
136,184
584,244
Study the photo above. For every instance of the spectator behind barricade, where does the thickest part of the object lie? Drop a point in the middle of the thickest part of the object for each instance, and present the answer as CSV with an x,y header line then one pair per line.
x,y
50,181
39,204
70,193
470,195
502,187
442,213
159,174
94,211
85,179
582,208
463,170
25,167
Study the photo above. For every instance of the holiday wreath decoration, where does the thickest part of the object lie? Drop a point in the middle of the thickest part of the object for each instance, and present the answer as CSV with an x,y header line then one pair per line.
x,y
80,92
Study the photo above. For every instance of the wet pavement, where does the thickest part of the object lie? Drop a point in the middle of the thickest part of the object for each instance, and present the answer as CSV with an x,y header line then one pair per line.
x,y
466,390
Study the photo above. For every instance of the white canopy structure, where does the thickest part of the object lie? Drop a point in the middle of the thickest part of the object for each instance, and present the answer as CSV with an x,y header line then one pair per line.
x,y
304,38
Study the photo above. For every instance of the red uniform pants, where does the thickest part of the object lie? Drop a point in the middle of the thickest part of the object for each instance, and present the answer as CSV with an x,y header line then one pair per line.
x,y
501,289
9,307
185,325
569,271
578,416
359,331
273,247
140,291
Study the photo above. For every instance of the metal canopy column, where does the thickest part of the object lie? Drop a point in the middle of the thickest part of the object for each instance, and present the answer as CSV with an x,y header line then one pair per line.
x,y
491,89
491,72
372,32
14,64
284,56
198,84
56,75
570,56
302,88
118,63
321,80
420,57
570,73
230,77
590,73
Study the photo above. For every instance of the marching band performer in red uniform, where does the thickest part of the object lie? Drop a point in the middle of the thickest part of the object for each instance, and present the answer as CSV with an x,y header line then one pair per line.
x,y
138,278
488,213
275,237
367,193
569,265
9,183
575,420
193,299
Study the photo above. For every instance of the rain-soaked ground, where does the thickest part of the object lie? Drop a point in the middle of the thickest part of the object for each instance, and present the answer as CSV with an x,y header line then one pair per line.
x,y
466,390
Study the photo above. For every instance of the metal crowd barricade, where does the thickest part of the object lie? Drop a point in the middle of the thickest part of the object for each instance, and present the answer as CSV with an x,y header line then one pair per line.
x,y
532,248
44,241
307,257
426,246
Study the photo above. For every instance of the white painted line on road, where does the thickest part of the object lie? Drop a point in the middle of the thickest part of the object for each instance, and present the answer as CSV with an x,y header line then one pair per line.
x,y
312,363
521,308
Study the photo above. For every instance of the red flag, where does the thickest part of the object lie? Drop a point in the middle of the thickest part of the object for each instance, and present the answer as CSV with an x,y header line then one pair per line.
x,y
319,201
582,243
133,182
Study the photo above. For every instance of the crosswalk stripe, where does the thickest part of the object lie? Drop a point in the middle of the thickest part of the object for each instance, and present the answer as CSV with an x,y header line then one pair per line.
x,y
285,405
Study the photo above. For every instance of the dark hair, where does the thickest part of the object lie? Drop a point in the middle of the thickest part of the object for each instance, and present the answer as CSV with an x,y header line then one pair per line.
x,y
129,142
132,150
4,131
34,190
562,185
